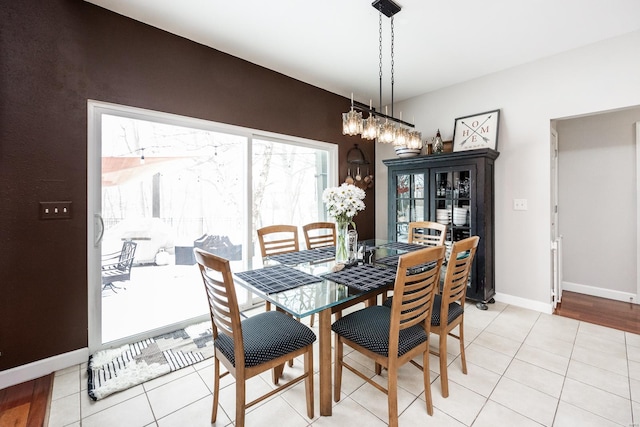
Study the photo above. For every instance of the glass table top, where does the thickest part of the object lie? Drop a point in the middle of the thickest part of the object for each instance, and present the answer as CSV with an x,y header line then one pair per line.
x,y
376,265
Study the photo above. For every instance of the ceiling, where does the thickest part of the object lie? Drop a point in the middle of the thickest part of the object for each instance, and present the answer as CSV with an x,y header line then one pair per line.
x,y
333,44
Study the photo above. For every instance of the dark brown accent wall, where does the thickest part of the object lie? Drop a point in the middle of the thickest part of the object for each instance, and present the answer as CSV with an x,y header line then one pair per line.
x,y
54,56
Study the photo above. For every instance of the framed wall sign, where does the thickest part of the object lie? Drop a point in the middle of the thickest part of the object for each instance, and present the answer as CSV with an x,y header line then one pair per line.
x,y
476,131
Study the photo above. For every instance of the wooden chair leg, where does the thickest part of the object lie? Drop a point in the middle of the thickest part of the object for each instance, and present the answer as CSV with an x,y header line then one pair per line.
x,y
392,396
240,402
337,368
216,390
444,379
426,374
463,358
277,373
308,382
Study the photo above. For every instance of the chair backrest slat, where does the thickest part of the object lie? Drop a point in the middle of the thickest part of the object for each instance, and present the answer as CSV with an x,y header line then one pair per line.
x,y
223,303
125,261
319,234
278,239
457,275
427,233
413,293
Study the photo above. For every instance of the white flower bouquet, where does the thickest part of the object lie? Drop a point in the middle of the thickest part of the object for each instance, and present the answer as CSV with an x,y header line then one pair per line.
x,y
344,202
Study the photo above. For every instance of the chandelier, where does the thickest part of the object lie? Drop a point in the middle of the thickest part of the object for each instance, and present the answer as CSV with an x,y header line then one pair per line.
x,y
384,127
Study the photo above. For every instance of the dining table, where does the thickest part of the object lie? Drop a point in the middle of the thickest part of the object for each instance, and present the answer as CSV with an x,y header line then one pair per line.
x,y
309,281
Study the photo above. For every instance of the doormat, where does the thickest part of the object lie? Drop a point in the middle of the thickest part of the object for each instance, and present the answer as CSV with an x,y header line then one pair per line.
x,y
118,369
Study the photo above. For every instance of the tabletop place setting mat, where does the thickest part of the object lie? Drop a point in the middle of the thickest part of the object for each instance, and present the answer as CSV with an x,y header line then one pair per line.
x,y
401,246
363,277
392,260
308,255
276,278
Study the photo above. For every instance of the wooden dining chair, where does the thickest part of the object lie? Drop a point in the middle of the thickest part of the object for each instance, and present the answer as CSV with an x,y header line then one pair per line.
x,y
319,234
278,239
427,233
254,345
448,308
424,233
392,336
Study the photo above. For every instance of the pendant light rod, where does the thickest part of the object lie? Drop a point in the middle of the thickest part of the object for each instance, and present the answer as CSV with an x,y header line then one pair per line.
x,y
384,128
392,74
380,53
388,8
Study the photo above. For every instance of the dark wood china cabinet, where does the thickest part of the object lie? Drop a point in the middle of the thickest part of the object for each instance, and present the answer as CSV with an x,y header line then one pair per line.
x,y
453,188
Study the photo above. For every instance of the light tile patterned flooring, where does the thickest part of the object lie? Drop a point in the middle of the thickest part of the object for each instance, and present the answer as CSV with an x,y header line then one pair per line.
x,y
524,369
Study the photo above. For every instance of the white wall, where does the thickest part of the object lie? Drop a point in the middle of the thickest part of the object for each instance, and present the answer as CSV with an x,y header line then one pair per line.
x,y
597,199
599,77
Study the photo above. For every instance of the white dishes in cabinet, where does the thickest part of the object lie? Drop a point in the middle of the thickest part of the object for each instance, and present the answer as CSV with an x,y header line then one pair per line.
x,y
443,216
460,215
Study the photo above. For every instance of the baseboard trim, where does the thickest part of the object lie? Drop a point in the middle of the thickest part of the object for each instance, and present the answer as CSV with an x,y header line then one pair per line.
x,y
599,292
43,367
525,303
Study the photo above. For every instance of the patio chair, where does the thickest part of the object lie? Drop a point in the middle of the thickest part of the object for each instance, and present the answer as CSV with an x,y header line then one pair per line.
x,y
116,267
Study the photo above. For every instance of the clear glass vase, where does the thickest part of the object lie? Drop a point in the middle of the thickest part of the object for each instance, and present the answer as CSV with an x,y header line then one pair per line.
x,y
342,240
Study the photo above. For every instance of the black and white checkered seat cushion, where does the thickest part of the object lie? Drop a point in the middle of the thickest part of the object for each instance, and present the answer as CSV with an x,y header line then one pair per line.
x,y
267,336
455,310
369,328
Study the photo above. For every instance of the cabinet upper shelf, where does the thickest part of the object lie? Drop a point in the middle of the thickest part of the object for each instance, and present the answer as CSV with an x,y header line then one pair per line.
x,y
443,157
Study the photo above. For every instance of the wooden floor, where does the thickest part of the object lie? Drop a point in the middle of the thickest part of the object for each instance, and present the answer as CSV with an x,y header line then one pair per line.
x,y
26,404
614,314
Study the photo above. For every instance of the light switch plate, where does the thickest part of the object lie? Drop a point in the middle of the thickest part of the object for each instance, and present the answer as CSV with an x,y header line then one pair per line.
x,y
520,204
55,210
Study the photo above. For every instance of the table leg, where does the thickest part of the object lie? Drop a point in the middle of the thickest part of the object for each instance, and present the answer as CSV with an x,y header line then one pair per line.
x,y
324,329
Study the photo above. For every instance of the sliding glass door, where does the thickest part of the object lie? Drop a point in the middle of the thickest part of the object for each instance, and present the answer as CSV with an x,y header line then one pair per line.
x,y
169,184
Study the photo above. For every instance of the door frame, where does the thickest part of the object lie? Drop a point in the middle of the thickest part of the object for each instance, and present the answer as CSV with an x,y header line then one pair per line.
x,y
556,239
95,226
637,297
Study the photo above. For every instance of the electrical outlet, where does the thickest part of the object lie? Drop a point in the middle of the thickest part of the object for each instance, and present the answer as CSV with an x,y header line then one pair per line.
x,y
55,210
520,204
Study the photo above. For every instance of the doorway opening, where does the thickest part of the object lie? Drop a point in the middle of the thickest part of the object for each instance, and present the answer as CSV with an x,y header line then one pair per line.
x,y
597,215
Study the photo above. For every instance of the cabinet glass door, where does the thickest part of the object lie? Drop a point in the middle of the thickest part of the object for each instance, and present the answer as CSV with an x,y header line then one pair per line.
x,y
410,202
452,203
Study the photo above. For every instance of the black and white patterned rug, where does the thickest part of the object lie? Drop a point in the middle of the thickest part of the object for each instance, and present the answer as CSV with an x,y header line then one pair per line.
x,y
118,369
